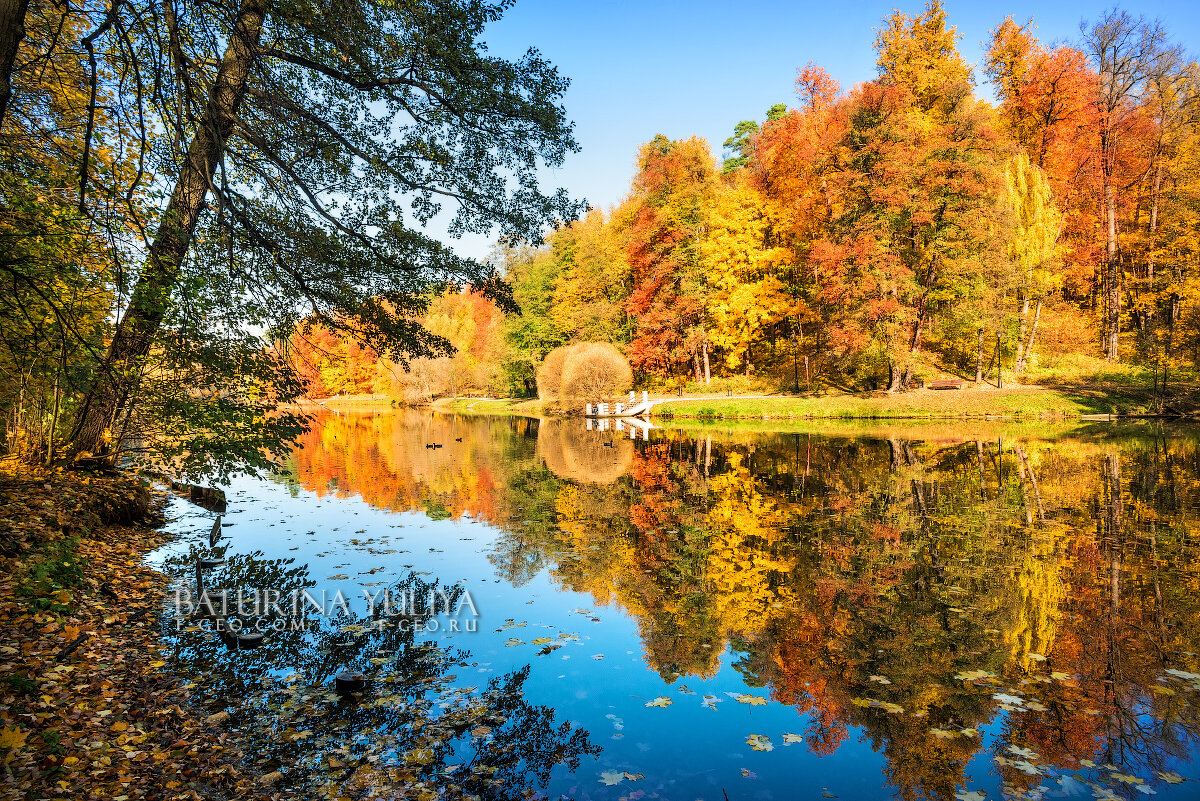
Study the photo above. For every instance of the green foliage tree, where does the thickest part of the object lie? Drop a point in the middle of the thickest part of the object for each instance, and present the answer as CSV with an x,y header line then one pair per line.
x,y
303,145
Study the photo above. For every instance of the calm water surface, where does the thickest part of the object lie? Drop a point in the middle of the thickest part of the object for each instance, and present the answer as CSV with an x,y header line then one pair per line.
x,y
931,612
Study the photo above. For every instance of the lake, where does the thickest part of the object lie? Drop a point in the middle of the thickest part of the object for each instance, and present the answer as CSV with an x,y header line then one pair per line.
x,y
959,611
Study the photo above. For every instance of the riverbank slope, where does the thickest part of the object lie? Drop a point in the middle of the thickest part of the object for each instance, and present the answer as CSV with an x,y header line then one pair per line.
x,y
86,711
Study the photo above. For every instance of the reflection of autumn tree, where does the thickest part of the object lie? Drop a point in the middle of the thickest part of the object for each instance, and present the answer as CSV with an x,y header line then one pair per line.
x,y
1130,613
858,579
384,459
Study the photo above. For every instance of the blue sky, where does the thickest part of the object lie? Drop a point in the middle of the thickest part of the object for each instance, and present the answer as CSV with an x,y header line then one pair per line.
x,y
641,68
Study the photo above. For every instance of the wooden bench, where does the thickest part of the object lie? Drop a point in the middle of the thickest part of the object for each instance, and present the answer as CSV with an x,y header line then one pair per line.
x,y
946,383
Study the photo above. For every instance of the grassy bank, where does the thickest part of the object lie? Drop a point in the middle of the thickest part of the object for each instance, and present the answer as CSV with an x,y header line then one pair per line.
x,y
86,711
349,403
1123,391
526,407
1023,402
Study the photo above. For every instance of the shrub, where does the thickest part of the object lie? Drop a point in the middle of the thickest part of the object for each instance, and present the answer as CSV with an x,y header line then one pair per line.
x,y
594,371
550,373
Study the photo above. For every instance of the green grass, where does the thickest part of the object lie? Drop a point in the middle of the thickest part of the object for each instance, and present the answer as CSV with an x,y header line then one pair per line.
x,y
519,406
1024,402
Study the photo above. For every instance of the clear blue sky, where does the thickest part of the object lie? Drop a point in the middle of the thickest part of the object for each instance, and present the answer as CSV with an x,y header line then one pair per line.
x,y
684,68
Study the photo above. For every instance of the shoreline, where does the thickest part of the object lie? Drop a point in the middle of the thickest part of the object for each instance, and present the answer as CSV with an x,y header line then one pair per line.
x,y
88,705
1018,403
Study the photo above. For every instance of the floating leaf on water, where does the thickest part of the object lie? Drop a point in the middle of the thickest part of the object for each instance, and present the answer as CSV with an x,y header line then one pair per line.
x,y
880,679
610,777
661,701
1027,767
710,702
540,640
1036,706
974,675
894,709
1171,778
634,777
970,795
1036,657
789,738
748,774
943,734
1010,700
760,742
1128,778
752,700
1022,752
512,642
1060,676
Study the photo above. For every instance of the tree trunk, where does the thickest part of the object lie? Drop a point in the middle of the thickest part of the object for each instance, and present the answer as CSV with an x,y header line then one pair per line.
x,y
1033,329
12,31
1020,362
893,377
1158,179
707,373
918,329
1112,275
979,360
114,384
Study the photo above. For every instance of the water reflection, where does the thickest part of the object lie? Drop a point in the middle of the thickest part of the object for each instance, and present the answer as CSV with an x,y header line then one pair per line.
x,y
1028,602
413,732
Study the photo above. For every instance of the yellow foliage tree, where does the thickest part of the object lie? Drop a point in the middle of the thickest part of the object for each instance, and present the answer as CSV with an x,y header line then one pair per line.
x,y
1033,246
746,296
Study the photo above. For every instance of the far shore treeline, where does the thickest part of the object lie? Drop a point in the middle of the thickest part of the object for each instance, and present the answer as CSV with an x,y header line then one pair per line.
x,y
869,236
211,212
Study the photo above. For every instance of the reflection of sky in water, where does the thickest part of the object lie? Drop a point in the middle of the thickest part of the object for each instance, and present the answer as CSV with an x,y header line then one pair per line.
x,y
601,682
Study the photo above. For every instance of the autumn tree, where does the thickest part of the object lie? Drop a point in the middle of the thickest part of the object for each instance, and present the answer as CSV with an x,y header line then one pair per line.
x,y
1047,106
593,279
746,297
1127,54
56,261
1033,245
672,198
915,238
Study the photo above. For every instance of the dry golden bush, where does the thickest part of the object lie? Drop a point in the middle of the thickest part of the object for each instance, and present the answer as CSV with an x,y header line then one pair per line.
x,y
550,374
594,371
